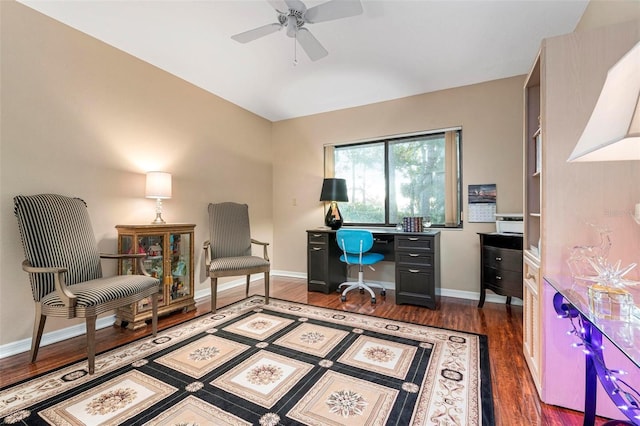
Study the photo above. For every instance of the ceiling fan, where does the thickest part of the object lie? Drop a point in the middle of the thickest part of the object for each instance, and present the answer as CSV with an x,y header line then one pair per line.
x,y
294,15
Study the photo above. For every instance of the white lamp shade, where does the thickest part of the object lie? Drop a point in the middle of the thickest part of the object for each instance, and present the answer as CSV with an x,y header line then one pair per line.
x,y
613,131
158,185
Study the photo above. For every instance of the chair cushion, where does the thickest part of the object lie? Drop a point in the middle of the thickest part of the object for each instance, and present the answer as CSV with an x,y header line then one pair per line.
x,y
103,290
367,258
237,263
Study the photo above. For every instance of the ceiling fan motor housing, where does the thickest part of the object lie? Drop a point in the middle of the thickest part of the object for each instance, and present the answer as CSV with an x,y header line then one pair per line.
x,y
293,21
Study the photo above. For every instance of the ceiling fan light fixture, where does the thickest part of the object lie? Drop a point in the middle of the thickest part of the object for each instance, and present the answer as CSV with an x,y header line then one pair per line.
x,y
292,26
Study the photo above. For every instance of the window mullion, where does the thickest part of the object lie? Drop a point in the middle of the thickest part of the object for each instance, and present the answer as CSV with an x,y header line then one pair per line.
x,y
386,180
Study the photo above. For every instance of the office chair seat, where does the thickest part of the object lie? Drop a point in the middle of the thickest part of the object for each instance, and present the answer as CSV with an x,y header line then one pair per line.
x,y
355,245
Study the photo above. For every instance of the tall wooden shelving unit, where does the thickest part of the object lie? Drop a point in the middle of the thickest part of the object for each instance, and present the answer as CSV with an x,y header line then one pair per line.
x,y
561,199
533,149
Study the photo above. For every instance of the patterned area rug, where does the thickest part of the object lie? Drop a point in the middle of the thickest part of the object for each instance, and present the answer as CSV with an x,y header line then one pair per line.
x,y
279,364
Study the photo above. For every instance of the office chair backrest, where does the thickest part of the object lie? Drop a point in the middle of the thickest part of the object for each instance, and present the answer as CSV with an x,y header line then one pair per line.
x,y
354,241
56,232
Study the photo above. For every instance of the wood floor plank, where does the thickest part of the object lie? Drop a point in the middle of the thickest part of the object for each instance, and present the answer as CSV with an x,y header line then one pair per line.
x,y
515,398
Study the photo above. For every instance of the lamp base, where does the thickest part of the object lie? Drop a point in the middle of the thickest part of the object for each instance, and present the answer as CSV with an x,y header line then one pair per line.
x,y
333,219
158,220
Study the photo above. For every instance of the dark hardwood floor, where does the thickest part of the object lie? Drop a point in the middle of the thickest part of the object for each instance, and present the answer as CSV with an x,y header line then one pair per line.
x,y
515,399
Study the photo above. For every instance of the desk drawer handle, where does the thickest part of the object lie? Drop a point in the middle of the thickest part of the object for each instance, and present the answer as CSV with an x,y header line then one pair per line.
x,y
498,277
414,271
317,235
413,255
498,259
413,238
317,248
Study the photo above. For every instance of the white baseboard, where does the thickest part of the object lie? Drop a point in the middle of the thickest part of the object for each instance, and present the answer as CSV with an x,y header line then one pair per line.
x,y
24,345
55,336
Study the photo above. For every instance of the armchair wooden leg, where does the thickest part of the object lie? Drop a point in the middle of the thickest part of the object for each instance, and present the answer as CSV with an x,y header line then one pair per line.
x,y
38,327
246,292
266,288
154,314
91,343
214,294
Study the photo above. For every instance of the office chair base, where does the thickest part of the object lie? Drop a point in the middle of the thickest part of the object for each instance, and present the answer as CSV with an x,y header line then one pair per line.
x,y
362,287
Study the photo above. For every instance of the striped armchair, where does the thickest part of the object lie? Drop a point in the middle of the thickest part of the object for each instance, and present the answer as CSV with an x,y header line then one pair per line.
x,y
62,259
228,250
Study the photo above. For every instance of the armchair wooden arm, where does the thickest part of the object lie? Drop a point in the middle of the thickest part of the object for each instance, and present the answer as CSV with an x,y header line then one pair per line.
x,y
264,245
67,297
206,246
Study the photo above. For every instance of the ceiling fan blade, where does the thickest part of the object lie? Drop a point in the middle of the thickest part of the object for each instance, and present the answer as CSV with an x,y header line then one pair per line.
x,y
333,9
279,5
256,33
296,5
311,45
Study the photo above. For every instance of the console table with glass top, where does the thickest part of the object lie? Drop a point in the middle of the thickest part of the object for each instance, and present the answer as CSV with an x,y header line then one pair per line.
x,y
591,331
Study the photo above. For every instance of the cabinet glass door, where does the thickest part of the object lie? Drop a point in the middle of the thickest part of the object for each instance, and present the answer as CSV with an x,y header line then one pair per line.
x,y
153,246
180,257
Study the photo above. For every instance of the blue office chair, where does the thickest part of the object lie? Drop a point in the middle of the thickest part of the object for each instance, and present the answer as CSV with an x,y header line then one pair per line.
x,y
355,244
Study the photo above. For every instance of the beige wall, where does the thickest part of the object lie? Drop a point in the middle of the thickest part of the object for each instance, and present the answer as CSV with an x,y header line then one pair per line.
x,y
601,13
491,118
84,119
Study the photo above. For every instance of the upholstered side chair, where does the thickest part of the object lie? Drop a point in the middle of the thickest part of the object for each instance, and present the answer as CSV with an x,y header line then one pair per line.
x,y
228,250
63,262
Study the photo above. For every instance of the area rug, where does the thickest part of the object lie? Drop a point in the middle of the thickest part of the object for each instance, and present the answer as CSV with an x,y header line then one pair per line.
x,y
279,364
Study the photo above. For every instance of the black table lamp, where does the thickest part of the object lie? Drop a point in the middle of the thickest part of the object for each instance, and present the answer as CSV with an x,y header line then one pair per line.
x,y
334,190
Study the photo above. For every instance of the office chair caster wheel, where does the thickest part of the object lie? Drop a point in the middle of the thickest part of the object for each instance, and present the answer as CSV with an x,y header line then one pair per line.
x,y
373,300
343,298
383,293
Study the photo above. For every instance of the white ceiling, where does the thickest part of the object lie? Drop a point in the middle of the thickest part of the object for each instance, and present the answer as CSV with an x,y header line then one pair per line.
x,y
396,48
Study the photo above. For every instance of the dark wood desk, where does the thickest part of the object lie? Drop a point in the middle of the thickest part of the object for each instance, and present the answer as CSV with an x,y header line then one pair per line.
x,y
416,256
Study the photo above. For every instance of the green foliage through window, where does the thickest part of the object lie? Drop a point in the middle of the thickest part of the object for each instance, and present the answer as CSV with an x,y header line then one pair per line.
x,y
390,179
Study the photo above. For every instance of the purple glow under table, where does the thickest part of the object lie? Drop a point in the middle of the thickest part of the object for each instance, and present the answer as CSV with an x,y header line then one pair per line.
x,y
572,302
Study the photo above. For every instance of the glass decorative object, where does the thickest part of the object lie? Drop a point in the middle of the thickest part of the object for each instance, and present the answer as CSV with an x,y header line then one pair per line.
x,y
607,287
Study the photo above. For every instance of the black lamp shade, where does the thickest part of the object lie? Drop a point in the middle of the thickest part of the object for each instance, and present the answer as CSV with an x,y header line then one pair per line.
x,y
334,190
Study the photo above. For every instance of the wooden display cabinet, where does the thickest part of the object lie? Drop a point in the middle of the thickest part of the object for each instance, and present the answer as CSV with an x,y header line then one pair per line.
x,y
169,250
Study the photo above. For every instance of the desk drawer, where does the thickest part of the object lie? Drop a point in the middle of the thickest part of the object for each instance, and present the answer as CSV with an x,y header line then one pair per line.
x,y
317,238
503,259
414,242
416,286
502,278
416,257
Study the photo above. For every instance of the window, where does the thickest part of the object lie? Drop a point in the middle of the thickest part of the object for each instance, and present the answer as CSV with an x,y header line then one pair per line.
x,y
412,176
